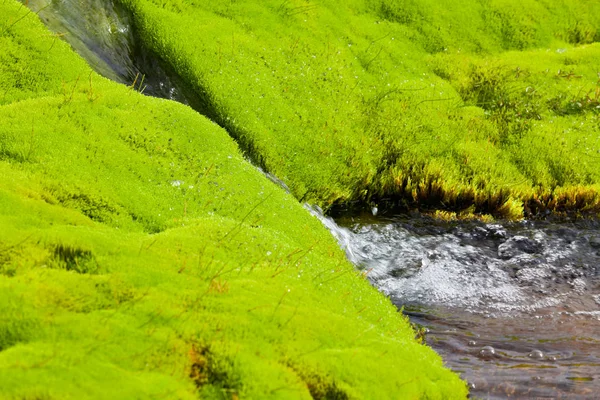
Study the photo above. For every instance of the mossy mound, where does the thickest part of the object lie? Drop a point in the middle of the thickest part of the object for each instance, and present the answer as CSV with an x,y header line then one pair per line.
x,y
447,105
142,257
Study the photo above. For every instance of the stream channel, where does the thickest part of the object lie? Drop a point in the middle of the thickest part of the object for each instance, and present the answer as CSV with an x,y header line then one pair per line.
x,y
513,307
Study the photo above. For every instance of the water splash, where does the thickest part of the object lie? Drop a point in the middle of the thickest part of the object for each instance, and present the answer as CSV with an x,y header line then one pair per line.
x,y
481,268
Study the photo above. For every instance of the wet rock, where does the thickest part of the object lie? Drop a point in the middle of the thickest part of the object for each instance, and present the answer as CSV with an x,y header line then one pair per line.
x,y
408,270
566,234
595,242
518,245
523,261
534,276
578,285
497,231
482,232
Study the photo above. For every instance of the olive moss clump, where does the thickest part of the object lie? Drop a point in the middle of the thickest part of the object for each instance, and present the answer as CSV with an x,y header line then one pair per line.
x,y
461,106
142,257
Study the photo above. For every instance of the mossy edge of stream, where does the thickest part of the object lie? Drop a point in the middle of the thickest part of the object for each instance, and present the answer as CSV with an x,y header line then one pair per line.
x,y
468,107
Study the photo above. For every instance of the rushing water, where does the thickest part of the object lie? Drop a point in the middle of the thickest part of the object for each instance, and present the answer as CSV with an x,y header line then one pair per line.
x,y
514,308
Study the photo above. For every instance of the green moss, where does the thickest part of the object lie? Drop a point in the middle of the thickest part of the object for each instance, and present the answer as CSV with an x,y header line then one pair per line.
x,y
142,257
377,99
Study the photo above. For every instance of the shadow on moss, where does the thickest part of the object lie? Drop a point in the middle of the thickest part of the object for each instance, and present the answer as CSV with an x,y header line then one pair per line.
x,y
213,374
73,258
320,387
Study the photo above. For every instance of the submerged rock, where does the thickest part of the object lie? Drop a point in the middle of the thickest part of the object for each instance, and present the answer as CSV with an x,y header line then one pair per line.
x,y
595,242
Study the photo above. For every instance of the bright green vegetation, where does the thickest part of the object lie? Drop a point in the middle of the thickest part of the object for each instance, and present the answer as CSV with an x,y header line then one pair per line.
x,y
142,257
486,106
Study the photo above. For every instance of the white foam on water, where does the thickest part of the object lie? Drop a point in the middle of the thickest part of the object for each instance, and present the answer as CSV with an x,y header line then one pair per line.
x,y
478,268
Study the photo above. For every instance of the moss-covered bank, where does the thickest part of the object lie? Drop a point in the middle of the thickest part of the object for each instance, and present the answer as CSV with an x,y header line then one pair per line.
x,y
485,106
142,257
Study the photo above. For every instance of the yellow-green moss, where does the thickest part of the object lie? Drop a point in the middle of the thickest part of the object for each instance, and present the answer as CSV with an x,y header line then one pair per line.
x,y
368,100
142,257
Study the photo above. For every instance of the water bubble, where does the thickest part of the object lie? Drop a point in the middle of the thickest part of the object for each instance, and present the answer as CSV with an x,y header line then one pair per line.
x,y
487,353
472,343
536,354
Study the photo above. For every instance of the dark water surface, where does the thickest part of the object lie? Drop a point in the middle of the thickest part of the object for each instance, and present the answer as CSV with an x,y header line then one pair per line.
x,y
514,308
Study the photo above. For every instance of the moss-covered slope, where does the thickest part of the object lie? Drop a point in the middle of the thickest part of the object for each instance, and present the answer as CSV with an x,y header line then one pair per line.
x,y
486,106
142,257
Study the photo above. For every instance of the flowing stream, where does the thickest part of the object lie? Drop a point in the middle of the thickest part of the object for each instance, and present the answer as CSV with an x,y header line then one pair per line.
x,y
514,308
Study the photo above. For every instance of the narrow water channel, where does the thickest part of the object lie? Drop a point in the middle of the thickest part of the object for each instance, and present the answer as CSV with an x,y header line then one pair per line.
x,y
102,32
514,308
